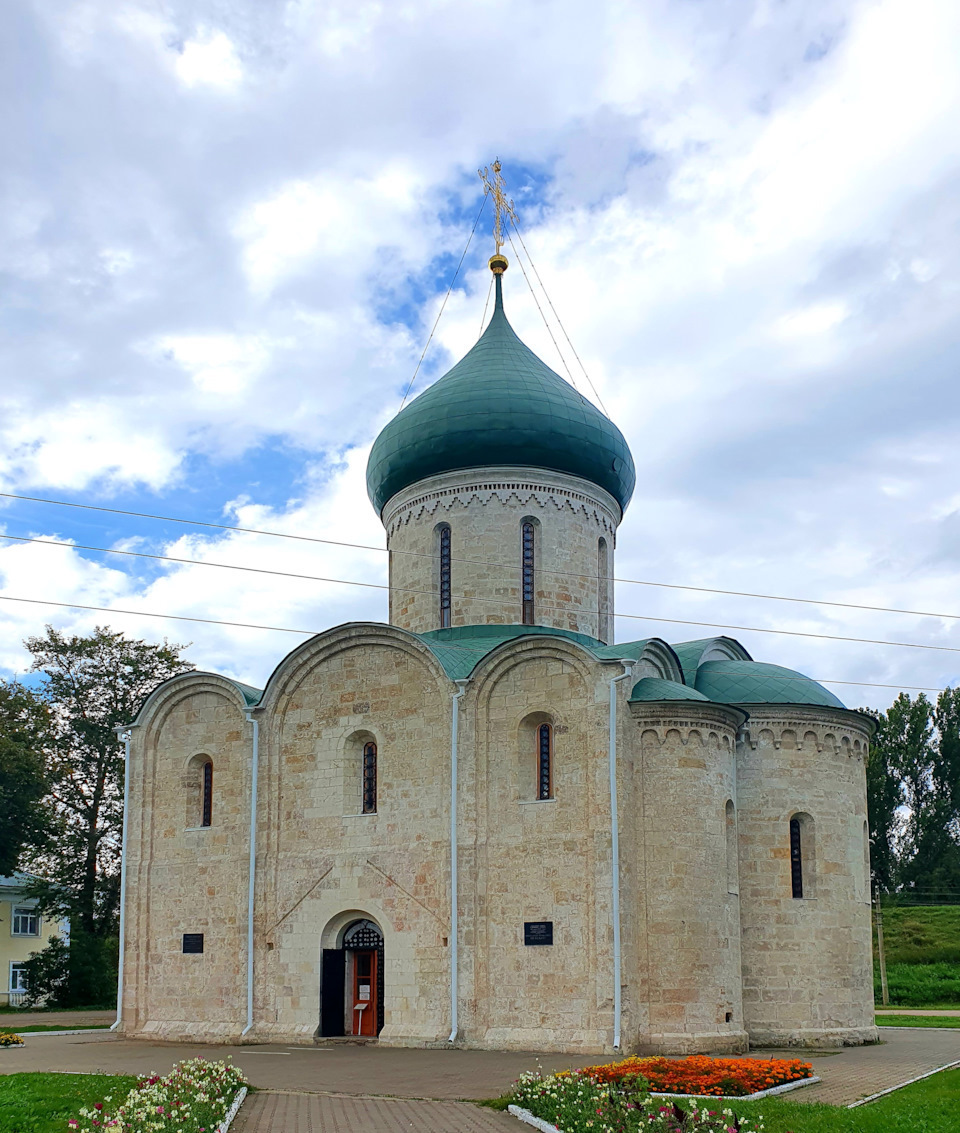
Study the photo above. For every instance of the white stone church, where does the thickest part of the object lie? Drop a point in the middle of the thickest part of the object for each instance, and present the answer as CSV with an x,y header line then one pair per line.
x,y
484,823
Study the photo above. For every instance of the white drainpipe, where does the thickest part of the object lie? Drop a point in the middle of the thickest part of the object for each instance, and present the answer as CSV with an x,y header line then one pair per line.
x,y
454,912
252,868
124,733
615,849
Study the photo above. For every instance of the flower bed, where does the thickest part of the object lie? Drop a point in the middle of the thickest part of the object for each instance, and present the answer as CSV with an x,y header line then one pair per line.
x,y
702,1075
10,1038
194,1097
574,1102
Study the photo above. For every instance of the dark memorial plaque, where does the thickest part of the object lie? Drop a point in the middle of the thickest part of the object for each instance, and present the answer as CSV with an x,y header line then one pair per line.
x,y
538,932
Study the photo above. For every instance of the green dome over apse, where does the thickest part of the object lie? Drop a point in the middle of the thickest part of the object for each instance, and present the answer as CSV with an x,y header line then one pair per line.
x,y
500,405
753,682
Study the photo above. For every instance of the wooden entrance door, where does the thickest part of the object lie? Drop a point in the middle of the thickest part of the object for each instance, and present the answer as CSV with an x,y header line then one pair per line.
x,y
365,1005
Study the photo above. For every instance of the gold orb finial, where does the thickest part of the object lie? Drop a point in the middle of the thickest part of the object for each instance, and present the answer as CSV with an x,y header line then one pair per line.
x,y
498,263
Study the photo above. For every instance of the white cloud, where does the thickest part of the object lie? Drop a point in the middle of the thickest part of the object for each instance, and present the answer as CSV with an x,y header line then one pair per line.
x,y
211,60
745,215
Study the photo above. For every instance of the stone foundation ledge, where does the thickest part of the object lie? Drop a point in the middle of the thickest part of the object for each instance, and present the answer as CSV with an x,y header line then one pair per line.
x,y
813,1038
693,1042
566,1041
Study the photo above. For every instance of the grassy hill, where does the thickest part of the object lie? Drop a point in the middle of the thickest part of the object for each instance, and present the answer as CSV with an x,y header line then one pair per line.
x,y
922,946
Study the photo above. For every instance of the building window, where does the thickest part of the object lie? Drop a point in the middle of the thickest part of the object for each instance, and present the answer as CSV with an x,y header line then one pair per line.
x,y
544,762
25,922
444,576
18,978
206,794
796,858
528,572
370,778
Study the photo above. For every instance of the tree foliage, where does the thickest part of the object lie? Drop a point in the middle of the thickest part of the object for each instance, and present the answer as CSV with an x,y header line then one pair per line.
x,y
25,729
913,785
93,685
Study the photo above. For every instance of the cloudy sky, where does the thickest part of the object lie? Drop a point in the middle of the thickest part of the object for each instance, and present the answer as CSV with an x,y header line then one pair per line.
x,y
226,228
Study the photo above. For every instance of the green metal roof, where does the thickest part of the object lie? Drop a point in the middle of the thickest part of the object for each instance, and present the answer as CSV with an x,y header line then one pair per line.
x,y
690,653
460,649
655,688
753,682
251,695
499,405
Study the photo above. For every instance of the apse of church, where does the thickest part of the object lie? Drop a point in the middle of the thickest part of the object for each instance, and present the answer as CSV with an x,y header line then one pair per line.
x,y
484,824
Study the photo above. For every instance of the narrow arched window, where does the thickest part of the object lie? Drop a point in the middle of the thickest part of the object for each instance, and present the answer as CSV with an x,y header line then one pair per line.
x,y
796,858
444,532
206,795
603,590
370,778
527,536
544,762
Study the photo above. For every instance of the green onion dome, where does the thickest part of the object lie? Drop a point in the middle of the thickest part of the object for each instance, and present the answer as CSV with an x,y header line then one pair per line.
x,y
753,682
499,405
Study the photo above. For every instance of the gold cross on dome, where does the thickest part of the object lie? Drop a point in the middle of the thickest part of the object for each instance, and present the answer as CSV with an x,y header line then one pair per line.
x,y
502,206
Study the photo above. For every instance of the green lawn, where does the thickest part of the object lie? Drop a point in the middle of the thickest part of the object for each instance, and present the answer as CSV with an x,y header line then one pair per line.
x,y
920,934
5,1010
35,1027
918,1021
930,1106
922,944
42,1103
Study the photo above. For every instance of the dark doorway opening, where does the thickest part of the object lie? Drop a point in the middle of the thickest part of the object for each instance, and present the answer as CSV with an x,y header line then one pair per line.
x,y
351,983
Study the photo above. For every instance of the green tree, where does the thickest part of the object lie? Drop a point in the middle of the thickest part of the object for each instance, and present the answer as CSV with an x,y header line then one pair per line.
x,y
25,732
93,685
883,799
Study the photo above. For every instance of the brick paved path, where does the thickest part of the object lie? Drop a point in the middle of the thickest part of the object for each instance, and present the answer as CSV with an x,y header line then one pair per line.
x,y
859,1071
312,1113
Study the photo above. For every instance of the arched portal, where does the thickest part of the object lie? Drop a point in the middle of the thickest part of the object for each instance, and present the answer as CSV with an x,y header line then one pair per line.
x,y
351,993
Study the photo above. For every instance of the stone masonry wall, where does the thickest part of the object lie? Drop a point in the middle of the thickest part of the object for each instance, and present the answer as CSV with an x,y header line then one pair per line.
x,y
184,878
325,863
807,963
485,509
684,947
524,859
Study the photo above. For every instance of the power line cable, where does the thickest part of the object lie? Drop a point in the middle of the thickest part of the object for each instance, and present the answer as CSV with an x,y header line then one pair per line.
x,y
483,317
442,306
546,295
314,633
489,601
573,380
480,562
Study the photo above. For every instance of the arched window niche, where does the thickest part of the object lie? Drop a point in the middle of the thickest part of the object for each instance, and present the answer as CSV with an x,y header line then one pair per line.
x,y
730,832
529,540
199,784
361,774
603,590
536,761
802,856
444,592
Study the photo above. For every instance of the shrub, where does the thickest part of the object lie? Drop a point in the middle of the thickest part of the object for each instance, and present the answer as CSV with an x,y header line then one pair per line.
x,y
193,1098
